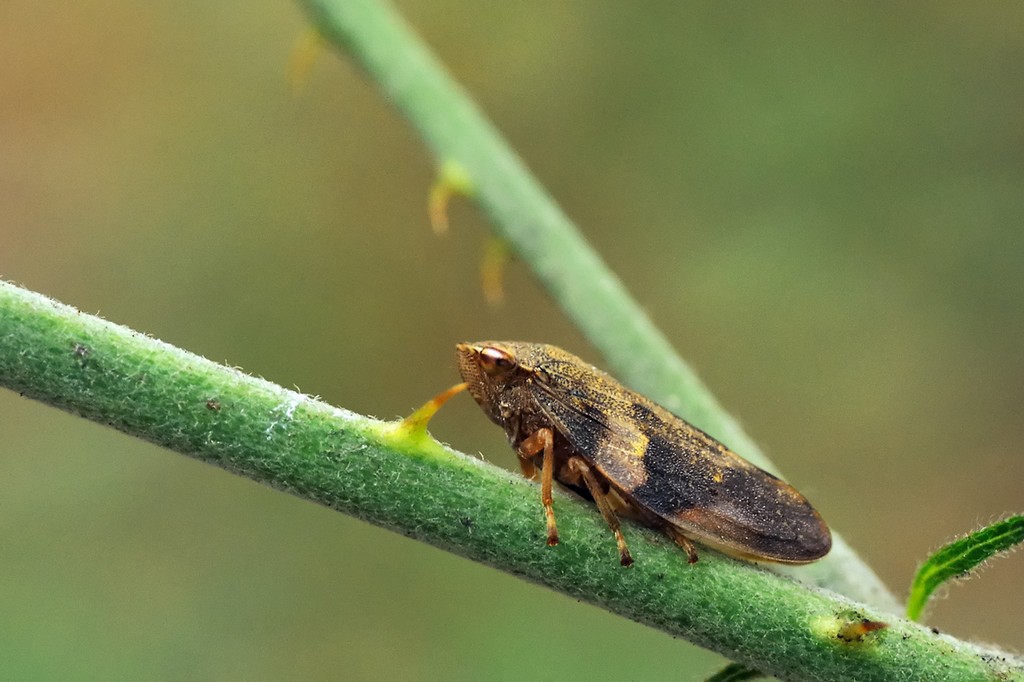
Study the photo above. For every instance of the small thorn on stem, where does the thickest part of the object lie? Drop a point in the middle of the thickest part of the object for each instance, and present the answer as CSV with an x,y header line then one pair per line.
x,y
452,179
307,49
437,207
416,423
492,270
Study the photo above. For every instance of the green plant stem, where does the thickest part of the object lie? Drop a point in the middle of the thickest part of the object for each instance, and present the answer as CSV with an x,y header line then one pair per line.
x,y
415,486
527,217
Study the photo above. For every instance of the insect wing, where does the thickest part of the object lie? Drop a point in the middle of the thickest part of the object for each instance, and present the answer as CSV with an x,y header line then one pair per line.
x,y
667,467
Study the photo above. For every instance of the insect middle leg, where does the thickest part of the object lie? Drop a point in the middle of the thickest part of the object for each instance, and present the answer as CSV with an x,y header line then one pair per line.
x,y
528,468
604,506
542,439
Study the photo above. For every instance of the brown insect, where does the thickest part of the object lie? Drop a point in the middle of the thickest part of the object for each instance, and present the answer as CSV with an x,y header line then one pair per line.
x,y
632,457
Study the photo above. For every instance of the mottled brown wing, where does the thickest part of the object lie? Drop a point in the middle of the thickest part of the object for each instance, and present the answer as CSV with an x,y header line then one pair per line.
x,y
670,468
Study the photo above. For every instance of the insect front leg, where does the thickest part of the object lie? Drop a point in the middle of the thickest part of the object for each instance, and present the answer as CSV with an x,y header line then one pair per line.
x,y
604,506
528,468
543,439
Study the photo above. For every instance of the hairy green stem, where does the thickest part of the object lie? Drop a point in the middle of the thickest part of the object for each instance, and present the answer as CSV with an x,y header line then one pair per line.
x,y
413,485
544,237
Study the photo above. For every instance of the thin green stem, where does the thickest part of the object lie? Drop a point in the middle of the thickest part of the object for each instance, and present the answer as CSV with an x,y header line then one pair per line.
x,y
413,485
960,557
542,235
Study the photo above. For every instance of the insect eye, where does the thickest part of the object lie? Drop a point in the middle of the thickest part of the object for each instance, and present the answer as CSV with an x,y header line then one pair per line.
x,y
495,360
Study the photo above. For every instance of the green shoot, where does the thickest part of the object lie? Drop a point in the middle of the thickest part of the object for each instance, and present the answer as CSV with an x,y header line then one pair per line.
x,y
958,558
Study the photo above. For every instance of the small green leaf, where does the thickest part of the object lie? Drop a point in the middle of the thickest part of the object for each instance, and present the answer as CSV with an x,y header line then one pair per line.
x,y
958,558
735,672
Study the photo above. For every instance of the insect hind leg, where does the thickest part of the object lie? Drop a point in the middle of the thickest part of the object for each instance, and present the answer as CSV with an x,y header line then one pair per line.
x,y
684,542
603,505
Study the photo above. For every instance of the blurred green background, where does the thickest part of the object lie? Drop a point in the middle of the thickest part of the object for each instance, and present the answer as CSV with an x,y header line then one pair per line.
x,y
821,205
